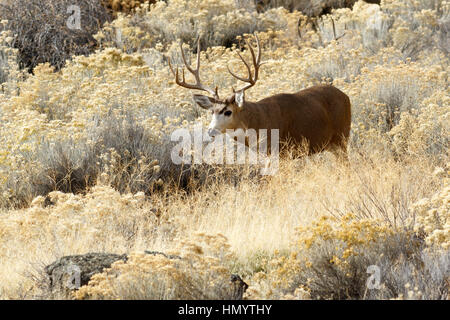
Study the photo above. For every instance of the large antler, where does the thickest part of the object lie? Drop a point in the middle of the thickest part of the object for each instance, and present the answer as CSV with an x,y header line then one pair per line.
x,y
256,63
198,85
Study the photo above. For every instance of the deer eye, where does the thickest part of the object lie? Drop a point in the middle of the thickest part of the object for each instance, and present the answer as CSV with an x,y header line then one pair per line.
x,y
227,113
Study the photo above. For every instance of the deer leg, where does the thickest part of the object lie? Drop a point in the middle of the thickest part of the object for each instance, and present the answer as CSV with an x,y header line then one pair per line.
x,y
338,146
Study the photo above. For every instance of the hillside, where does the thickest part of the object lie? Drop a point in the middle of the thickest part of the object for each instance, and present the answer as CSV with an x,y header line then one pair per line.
x,y
86,118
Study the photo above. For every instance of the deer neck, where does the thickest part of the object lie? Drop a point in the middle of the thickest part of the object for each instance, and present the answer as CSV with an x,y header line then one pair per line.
x,y
249,117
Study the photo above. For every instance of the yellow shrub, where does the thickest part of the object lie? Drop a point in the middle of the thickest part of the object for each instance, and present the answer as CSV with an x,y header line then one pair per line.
x,y
201,272
214,22
124,5
339,259
433,217
326,242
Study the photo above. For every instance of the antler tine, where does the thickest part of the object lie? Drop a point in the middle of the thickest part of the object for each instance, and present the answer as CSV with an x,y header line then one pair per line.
x,y
256,59
248,69
195,72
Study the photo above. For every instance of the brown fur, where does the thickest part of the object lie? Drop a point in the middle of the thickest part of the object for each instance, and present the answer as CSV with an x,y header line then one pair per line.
x,y
321,115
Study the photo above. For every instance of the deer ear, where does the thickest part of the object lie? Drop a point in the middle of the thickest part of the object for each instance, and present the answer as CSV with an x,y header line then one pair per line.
x,y
203,101
239,97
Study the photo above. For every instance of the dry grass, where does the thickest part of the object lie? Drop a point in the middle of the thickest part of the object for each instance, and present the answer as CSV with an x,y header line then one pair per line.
x,y
258,219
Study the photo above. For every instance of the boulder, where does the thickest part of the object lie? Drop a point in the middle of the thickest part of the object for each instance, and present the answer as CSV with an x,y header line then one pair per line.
x,y
69,273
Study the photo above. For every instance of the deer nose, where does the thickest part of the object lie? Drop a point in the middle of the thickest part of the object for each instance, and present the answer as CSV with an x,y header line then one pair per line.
x,y
213,132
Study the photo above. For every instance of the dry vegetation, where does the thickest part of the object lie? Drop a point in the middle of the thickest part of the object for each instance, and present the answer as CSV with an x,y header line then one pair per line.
x,y
40,32
85,158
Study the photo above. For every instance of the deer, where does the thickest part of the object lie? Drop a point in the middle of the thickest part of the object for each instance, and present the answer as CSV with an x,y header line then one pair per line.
x,y
319,116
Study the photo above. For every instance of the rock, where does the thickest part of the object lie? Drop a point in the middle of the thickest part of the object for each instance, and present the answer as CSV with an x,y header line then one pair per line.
x,y
69,273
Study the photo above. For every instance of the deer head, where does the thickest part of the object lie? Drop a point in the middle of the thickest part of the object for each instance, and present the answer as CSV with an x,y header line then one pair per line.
x,y
226,113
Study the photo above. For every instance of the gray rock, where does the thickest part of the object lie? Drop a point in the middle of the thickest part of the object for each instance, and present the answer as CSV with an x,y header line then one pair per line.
x,y
69,273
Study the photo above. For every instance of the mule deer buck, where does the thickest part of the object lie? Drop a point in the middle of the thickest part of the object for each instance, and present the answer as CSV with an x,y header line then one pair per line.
x,y
319,115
